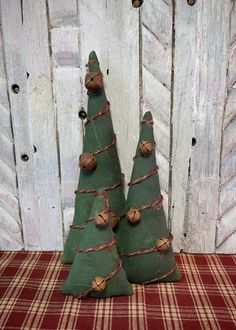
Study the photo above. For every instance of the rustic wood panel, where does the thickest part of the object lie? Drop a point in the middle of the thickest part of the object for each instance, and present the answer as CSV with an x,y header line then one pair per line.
x,y
63,13
226,228
42,123
13,39
67,86
123,84
199,94
10,223
156,35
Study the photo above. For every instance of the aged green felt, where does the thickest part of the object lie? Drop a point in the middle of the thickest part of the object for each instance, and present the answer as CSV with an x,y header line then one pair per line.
x,y
98,134
87,265
152,226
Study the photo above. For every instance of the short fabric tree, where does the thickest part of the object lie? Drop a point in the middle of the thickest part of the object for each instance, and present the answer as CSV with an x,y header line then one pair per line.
x,y
97,269
99,162
144,242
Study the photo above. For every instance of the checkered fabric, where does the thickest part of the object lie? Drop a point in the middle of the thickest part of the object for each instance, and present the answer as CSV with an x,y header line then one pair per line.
x,y
30,297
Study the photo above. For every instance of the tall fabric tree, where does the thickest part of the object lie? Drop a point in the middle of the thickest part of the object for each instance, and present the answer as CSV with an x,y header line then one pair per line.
x,y
99,162
144,241
97,269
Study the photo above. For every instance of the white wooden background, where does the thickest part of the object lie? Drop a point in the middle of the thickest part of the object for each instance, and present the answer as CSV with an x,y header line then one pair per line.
x,y
177,60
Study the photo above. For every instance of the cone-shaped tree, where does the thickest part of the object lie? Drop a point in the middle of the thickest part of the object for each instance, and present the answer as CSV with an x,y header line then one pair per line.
x,y
97,269
99,162
144,241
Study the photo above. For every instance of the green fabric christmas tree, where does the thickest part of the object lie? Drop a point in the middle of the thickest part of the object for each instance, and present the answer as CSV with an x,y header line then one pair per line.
x,y
144,242
97,269
99,162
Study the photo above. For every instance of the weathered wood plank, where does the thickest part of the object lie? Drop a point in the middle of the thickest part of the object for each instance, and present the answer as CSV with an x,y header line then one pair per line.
x,y
10,238
67,86
123,83
10,223
68,103
63,13
156,17
154,52
226,227
199,95
7,178
43,123
65,51
228,246
10,204
13,39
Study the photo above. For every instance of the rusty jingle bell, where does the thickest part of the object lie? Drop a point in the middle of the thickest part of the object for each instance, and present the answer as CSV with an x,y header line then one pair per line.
x,y
87,161
163,244
134,216
94,81
145,148
98,284
102,219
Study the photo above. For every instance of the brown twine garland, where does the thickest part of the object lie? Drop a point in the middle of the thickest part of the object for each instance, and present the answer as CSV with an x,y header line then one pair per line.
x,y
102,112
161,277
91,62
146,251
147,121
139,180
99,151
138,252
102,195
108,277
98,247
80,226
152,204
107,188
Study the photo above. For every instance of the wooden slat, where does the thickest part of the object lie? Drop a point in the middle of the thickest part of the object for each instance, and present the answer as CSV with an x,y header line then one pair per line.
x,y
63,12
226,227
199,94
227,246
43,123
13,39
156,17
10,223
65,50
67,100
67,86
123,83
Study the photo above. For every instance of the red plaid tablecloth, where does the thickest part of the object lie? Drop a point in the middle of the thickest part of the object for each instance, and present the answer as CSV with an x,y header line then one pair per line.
x,y
30,297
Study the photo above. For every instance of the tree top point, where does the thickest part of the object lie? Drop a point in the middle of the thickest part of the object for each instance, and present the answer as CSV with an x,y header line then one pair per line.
x,y
147,116
93,63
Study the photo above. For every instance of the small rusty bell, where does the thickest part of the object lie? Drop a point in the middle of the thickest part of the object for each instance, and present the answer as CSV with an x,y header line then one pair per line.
x,y
87,161
102,219
163,244
134,216
98,284
145,148
94,81
114,219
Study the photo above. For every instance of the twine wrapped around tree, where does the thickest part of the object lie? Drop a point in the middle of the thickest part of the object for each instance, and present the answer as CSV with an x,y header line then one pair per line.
x,y
144,241
97,269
